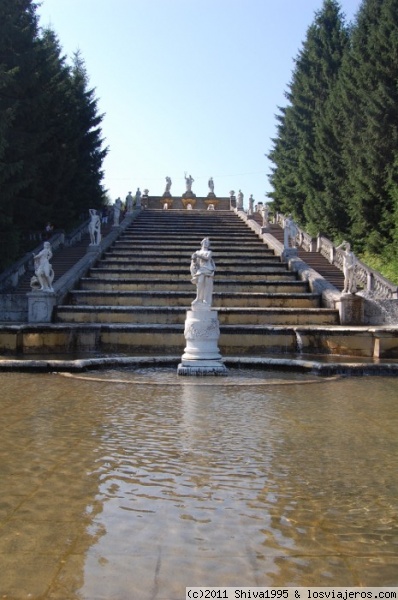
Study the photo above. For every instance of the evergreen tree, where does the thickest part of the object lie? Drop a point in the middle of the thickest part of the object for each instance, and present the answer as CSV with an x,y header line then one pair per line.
x,y
294,152
18,31
371,123
86,187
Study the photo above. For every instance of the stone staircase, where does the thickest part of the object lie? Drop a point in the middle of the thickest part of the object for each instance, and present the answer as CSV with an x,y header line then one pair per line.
x,y
136,297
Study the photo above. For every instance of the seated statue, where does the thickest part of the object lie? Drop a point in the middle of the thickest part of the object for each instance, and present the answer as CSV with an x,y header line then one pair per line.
x,y
43,270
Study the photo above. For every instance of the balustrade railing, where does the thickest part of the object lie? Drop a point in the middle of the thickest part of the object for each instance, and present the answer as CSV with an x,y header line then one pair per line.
x,y
9,279
366,278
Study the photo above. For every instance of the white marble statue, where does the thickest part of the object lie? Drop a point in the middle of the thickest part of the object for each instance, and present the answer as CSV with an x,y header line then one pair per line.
x,y
129,202
138,198
117,207
202,272
349,264
240,200
290,233
265,215
188,182
211,185
168,185
94,227
251,204
43,269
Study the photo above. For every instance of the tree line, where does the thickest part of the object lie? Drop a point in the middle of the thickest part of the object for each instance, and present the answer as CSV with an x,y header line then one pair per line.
x,y
51,145
335,154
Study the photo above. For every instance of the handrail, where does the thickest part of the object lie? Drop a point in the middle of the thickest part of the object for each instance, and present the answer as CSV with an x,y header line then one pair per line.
x,y
366,278
9,278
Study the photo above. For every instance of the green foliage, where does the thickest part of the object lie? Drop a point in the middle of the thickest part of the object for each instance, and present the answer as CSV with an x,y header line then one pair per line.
x,y
338,137
50,138
386,264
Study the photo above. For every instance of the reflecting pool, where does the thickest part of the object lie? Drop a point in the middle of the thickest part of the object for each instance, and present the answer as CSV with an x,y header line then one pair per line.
x,y
126,484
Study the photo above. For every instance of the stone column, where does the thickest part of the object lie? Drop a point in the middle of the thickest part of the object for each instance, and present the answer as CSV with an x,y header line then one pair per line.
x,y
201,355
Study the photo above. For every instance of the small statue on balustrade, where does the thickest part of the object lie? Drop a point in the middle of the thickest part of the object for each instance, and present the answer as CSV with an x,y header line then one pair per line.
x,y
349,265
94,227
290,233
44,273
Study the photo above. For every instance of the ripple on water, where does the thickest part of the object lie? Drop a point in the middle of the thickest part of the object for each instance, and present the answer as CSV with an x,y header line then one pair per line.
x,y
292,476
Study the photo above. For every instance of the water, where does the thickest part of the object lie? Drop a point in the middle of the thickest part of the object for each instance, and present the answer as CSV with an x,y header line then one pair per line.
x,y
124,485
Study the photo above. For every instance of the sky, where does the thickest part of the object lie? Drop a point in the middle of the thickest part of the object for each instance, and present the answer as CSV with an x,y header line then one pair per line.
x,y
187,86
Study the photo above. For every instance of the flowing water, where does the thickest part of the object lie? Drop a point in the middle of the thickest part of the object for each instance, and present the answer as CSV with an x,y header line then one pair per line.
x,y
130,485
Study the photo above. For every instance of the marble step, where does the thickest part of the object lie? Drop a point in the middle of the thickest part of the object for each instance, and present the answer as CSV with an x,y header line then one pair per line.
x,y
289,284
229,265
182,273
174,315
184,298
220,255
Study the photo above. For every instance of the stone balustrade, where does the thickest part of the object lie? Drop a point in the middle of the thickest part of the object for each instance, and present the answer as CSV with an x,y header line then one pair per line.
x,y
366,278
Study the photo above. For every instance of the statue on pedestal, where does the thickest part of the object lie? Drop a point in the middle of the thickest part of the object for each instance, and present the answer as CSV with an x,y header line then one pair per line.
x,y
202,272
211,186
94,227
44,274
202,330
240,200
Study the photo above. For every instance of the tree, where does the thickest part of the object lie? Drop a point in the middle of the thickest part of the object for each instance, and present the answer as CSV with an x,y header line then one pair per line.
x,y
370,107
294,152
18,31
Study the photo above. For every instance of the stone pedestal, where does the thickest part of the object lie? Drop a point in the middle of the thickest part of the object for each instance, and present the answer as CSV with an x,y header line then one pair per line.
x,y
41,306
201,355
351,309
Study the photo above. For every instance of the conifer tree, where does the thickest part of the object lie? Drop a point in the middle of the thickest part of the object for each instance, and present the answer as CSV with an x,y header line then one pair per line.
x,y
370,105
86,184
294,152
18,31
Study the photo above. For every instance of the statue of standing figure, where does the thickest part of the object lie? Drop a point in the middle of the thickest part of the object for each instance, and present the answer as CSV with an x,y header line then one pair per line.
x,y
290,233
211,185
240,200
94,227
117,207
188,182
138,198
168,186
349,264
265,215
129,202
251,204
43,269
202,273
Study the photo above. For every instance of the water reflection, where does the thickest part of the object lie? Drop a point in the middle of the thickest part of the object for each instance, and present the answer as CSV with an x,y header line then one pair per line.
x,y
125,484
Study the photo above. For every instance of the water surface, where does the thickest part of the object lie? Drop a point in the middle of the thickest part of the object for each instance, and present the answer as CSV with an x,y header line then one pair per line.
x,y
124,485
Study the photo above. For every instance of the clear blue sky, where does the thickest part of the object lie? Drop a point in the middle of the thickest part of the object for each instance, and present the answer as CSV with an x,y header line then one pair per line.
x,y
187,85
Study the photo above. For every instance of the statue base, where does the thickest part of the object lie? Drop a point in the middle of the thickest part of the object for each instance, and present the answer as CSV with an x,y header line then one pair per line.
x,y
201,368
351,309
201,355
189,195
